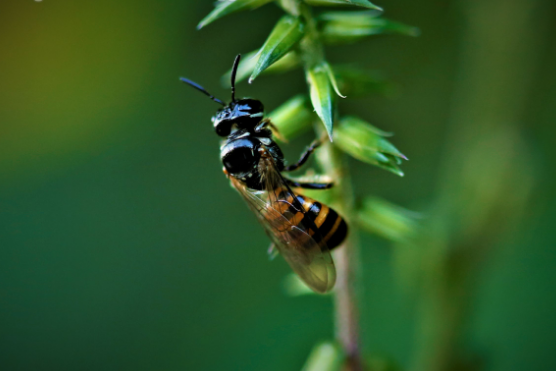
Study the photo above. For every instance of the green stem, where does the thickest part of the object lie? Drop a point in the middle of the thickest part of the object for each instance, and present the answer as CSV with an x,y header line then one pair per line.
x,y
333,163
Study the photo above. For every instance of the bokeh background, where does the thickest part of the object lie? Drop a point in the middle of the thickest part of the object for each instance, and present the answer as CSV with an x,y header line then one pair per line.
x,y
123,247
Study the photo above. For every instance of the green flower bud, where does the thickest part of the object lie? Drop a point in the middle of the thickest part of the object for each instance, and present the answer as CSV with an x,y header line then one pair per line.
x,y
246,67
360,3
366,143
285,35
386,220
345,27
326,356
322,85
225,7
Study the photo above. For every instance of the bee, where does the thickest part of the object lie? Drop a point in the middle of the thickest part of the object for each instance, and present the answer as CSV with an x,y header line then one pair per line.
x,y
301,229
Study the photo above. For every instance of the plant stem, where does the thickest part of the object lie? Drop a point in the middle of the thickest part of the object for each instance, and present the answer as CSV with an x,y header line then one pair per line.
x,y
332,162
346,259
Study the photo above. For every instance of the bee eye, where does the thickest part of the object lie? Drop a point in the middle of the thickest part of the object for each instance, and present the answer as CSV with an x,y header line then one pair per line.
x,y
240,159
223,128
255,106
251,107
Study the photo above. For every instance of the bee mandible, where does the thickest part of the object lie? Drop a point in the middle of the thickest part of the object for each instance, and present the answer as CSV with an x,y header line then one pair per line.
x,y
301,229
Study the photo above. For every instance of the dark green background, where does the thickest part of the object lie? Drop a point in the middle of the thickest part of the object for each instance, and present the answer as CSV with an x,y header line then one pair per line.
x,y
122,245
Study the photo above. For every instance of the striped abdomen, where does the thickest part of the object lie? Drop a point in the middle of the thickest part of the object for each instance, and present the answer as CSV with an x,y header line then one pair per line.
x,y
331,227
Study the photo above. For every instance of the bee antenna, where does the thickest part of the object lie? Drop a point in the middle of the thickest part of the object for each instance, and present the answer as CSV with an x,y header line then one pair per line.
x,y
234,72
202,90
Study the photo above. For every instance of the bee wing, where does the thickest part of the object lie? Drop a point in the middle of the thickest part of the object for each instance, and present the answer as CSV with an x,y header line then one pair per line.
x,y
312,262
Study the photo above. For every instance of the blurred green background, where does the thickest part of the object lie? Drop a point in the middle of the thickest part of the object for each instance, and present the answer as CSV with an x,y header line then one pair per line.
x,y
122,245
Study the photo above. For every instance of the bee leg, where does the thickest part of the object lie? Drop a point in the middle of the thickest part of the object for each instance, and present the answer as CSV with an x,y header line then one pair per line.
x,y
309,185
305,156
261,126
266,123
272,252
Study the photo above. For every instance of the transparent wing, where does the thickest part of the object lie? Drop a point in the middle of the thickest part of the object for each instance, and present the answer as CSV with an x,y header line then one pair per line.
x,y
290,228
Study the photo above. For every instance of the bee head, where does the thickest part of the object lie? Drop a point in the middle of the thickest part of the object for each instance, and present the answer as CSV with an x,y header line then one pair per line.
x,y
244,113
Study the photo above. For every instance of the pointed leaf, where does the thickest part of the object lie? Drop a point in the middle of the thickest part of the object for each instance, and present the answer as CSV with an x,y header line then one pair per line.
x,y
392,222
326,356
226,7
322,95
293,117
345,27
356,17
360,3
366,143
372,135
246,67
333,81
285,35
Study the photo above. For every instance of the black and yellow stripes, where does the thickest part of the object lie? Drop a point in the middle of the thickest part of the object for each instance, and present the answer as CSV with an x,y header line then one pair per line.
x,y
318,220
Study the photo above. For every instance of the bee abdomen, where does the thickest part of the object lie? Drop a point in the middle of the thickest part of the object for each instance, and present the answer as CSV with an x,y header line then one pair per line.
x,y
331,228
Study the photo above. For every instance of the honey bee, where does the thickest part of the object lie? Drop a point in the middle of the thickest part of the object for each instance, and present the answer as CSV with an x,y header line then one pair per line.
x,y
301,229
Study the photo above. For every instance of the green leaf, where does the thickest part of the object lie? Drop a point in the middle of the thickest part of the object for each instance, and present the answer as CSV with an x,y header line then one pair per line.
x,y
326,356
322,94
365,142
392,222
333,81
345,27
246,67
226,7
355,82
293,117
285,35
356,17
359,3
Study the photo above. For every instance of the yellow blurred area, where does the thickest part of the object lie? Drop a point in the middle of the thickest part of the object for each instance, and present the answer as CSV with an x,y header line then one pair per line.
x,y
71,73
